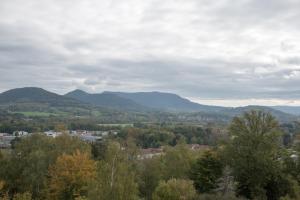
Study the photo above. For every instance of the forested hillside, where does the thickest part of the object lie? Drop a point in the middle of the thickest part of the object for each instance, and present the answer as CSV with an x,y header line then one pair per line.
x,y
122,107
247,160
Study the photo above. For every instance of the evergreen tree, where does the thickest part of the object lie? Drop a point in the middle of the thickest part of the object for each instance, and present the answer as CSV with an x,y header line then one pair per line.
x,y
206,172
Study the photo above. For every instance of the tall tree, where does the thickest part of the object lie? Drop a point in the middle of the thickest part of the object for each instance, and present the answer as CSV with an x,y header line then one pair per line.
x,y
254,156
150,173
115,176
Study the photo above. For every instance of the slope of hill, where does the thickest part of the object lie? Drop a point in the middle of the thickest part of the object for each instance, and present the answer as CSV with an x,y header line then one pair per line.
x,y
169,102
32,101
36,95
294,110
226,115
166,101
80,103
106,100
281,116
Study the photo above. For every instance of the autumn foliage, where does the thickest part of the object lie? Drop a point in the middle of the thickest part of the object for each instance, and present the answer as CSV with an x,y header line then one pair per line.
x,y
70,176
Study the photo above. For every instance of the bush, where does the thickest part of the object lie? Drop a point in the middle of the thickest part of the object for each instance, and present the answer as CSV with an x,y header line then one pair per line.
x,y
175,189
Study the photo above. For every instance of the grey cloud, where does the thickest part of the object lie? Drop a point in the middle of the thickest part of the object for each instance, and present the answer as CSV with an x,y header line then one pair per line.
x,y
295,60
202,49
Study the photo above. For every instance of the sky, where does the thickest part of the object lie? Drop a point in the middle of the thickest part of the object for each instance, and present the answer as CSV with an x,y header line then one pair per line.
x,y
224,52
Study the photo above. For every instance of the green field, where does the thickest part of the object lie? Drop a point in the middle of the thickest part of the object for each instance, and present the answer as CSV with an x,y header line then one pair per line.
x,y
40,114
116,125
36,114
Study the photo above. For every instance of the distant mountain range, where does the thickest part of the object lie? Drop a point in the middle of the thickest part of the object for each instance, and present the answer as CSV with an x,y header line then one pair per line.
x,y
139,101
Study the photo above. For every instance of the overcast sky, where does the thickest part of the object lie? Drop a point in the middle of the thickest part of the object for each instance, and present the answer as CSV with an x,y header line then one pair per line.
x,y
223,52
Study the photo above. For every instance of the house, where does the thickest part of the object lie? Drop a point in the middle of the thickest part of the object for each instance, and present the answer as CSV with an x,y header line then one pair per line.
x,y
3,134
5,140
52,133
20,133
198,147
150,153
90,138
294,157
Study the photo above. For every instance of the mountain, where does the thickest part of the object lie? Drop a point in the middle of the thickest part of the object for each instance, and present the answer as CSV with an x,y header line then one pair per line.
x,y
226,115
280,115
32,101
166,101
106,100
294,110
159,101
36,95
80,103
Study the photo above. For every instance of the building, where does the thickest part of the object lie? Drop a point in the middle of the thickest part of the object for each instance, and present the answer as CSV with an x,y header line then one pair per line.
x,y
198,147
5,140
150,153
90,138
20,133
52,133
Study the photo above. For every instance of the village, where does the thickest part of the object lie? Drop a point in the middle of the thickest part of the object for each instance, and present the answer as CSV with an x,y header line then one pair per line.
x,y
88,136
92,137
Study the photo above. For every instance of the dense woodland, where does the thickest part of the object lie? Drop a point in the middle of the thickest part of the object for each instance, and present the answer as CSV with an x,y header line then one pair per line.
x,y
253,158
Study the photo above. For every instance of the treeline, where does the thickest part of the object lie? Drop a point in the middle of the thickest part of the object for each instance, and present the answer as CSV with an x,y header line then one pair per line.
x,y
251,163
9,124
154,136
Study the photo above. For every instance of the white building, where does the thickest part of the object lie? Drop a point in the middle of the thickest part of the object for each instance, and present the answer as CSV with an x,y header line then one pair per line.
x,y
52,133
20,133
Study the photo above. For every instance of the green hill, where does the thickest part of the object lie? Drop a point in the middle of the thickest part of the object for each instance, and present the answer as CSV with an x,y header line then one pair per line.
x,y
36,95
108,100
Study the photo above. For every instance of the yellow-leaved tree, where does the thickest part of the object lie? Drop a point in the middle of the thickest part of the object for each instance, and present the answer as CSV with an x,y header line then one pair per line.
x,y
70,176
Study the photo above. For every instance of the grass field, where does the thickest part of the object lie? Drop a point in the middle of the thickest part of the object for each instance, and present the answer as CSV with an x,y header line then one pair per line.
x,y
39,114
114,125
36,114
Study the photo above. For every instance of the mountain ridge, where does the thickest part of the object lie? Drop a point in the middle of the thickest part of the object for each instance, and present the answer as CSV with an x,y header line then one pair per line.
x,y
105,100
166,101
35,95
142,102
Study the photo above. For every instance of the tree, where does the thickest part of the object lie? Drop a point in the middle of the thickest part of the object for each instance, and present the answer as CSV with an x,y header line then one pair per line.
x,y
177,162
115,176
206,172
25,169
60,127
219,197
3,192
70,176
294,194
68,145
254,156
226,183
150,173
291,169
23,196
99,149
175,189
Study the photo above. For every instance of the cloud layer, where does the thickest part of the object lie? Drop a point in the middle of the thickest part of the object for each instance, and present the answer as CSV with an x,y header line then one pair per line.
x,y
202,49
